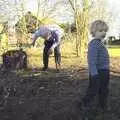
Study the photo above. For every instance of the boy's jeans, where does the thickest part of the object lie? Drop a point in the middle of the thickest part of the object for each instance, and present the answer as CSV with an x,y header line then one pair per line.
x,y
98,85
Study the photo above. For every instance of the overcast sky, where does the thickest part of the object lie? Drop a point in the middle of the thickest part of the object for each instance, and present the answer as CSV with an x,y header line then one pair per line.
x,y
113,7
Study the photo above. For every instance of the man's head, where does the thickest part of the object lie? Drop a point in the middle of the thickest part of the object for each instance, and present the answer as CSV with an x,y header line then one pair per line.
x,y
98,29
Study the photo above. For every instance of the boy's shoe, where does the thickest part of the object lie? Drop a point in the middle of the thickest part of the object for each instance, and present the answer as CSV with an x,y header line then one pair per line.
x,y
85,118
85,112
103,107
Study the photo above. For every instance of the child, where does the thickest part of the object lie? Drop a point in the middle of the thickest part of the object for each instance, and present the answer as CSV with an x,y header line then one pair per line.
x,y
98,63
52,42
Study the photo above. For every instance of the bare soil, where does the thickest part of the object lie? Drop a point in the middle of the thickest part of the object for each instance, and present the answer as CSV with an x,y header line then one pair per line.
x,y
37,95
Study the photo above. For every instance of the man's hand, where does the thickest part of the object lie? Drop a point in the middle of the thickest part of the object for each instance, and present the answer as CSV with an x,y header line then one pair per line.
x,y
50,51
33,44
33,39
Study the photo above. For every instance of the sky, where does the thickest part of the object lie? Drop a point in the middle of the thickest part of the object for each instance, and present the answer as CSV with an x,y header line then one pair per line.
x,y
113,6
62,14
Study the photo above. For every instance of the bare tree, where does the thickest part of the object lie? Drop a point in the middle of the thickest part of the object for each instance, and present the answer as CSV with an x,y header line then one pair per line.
x,y
81,16
84,12
48,9
99,10
4,17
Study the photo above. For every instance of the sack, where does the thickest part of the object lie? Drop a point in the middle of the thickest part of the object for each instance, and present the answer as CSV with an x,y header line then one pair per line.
x,y
14,59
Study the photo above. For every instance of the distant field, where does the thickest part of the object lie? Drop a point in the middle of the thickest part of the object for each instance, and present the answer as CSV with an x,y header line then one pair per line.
x,y
114,51
35,54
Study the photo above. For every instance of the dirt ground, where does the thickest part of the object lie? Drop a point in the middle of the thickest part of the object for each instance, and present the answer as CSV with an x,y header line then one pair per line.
x,y
37,95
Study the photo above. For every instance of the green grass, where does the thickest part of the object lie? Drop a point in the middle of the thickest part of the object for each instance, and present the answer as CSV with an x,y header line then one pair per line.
x,y
114,51
67,50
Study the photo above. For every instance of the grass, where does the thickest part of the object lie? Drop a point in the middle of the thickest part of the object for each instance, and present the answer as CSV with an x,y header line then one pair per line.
x,y
67,50
114,51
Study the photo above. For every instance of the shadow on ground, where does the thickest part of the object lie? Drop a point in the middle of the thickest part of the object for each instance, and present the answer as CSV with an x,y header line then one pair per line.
x,y
37,95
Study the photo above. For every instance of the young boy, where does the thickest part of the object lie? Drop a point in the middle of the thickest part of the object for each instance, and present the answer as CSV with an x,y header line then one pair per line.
x,y
98,64
52,42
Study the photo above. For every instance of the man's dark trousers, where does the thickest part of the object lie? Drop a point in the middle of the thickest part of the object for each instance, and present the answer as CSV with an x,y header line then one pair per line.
x,y
57,54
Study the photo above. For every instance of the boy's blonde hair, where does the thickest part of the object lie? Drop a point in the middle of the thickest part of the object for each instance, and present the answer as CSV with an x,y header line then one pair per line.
x,y
98,25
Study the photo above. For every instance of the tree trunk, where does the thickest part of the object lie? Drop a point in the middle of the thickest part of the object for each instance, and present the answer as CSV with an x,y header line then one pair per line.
x,y
83,31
